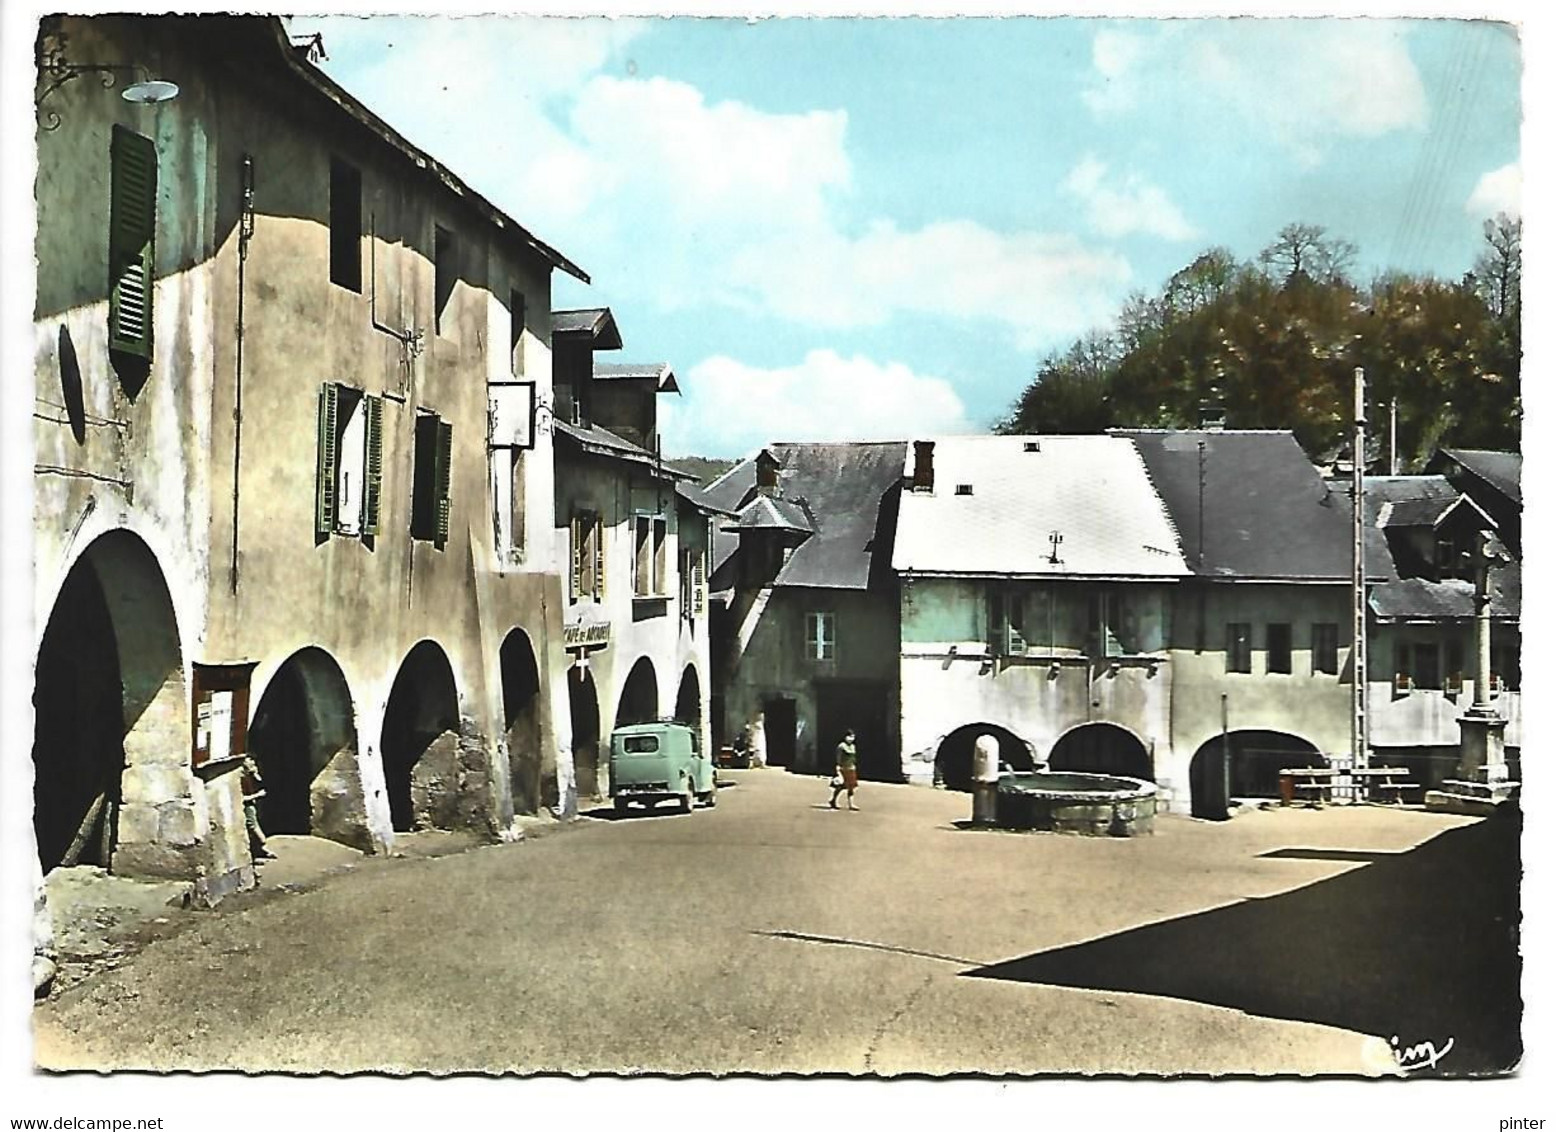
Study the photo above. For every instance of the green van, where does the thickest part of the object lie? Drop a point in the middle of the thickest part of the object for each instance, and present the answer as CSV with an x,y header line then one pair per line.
x,y
655,762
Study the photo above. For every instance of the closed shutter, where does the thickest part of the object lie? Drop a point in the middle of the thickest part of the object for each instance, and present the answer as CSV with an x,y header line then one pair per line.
x,y
375,464
324,497
576,589
445,459
132,224
599,558
699,583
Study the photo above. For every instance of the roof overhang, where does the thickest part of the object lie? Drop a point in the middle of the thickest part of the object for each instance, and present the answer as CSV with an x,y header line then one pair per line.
x,y
300,64
594,325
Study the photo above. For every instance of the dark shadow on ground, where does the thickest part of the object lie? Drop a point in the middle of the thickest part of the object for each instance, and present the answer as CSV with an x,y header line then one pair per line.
x,y
610,813
1420,946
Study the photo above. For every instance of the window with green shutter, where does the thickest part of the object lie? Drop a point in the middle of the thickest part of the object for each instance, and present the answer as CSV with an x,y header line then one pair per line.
x,y
445,464
431,475
324,490
375,465
132,224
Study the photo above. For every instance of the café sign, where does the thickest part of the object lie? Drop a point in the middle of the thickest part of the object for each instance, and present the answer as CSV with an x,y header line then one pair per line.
x,y
590,634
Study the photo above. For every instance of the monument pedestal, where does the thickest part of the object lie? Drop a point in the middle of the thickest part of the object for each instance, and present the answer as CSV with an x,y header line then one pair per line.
x,y
1483,783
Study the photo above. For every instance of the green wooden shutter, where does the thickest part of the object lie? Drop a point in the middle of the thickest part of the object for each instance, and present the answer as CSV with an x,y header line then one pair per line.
x,y
577,585
324,498
132,225
374,480
599,558
445,459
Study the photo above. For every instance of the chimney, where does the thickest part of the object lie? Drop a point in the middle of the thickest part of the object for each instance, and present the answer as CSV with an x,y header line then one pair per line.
x,y
923,465
766,473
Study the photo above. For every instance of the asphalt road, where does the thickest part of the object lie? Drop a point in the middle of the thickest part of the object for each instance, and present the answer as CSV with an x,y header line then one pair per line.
x,y
772,934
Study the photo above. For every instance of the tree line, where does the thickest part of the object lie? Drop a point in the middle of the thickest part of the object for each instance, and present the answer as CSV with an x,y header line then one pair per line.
x,y
1274,342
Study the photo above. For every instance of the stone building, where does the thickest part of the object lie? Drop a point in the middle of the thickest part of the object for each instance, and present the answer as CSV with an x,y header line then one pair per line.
x,y
1132,603
633,535
1422,624
805,621
290,498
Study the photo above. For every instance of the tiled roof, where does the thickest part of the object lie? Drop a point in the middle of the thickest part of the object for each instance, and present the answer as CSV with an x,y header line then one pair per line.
x,y
602,442
596,323
997,501
658,372
1418,599
764,513
700,499
1267,512
1502,470
842,486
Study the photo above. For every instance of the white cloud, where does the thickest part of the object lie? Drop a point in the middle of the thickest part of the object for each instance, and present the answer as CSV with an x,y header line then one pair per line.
x,y
1303,82
1500,190
673,201
738,407
1114,56
1118,210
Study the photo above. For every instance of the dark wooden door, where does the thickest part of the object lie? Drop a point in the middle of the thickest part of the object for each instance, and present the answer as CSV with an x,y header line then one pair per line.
x,y
778,715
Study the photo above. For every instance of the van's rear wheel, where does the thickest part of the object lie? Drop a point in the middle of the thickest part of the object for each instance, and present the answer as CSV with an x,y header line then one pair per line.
x,y
713,795
688,799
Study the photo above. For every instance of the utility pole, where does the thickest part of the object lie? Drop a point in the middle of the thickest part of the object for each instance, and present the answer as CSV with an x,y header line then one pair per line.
x,y
1394,436
1359,578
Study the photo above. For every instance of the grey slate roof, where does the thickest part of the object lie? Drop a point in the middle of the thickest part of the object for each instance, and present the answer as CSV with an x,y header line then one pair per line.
x,y
1418,599
596,323
1268,514
700,499
598,441
657,372
1502,470
842,485
765,513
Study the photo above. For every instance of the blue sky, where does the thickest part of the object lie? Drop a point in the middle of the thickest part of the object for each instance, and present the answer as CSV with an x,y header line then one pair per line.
x,y
850,228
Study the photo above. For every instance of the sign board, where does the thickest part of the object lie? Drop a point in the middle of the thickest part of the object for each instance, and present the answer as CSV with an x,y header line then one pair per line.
x,y
221,712
586,635
511,405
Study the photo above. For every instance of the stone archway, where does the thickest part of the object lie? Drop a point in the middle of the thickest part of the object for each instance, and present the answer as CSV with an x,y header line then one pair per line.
x,y
112,735
304,740
1102,748
420,745
688,700
583,704
527,761
639,695
954,755
1253,760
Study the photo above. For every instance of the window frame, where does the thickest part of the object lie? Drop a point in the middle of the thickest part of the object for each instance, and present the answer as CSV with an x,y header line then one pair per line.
x,y
345,211
1324,651
821,636
1272,632
330,471
431,479
1239,647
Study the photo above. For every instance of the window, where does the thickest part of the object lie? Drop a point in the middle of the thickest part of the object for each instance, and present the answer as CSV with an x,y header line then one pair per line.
x,y
1239,646
1508,669
508,502
515,329
588,544
1277,647
132,225
430,479
1006,636
1424,669
345,225
1455,650
445,269
349,484
650,536
821,636
1326,648
693,583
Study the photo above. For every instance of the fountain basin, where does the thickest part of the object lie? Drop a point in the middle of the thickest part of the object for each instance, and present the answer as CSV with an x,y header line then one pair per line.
x,y
1095,805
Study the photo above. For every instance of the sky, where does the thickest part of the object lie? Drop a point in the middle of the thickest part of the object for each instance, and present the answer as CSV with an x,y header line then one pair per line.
x,y
860,228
